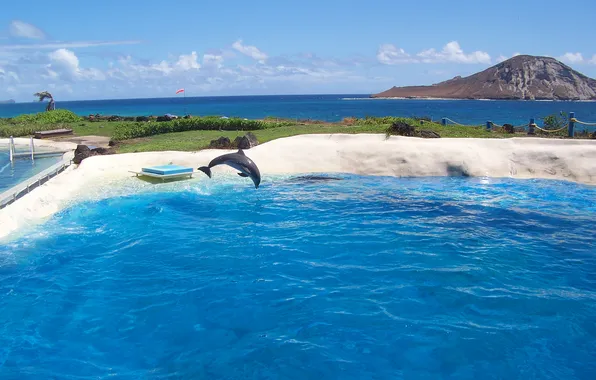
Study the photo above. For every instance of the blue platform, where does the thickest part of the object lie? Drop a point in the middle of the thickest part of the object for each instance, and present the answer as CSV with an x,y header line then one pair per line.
x,y
168,170
164,172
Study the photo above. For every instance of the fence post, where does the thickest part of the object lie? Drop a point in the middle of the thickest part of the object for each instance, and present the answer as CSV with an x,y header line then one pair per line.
x,y
444,121
531,127
571,124
489,125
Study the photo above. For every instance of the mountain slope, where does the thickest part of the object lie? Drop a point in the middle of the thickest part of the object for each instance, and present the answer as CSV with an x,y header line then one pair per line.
x,y
521,77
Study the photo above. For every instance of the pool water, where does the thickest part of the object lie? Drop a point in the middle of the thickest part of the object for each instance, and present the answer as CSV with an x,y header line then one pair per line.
x,y
11,174
358,278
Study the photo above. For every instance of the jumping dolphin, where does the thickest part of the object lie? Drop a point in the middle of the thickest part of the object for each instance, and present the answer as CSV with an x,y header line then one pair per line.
x,y
238,161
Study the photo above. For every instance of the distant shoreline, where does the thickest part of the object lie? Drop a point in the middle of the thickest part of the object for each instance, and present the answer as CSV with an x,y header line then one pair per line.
x,y
479,99
339,96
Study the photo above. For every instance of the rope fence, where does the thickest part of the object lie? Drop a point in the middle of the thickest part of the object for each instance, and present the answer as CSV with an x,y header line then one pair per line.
x,y
532,126
583,122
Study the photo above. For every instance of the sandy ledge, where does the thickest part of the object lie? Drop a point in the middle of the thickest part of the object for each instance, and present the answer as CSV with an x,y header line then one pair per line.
x,y
364,154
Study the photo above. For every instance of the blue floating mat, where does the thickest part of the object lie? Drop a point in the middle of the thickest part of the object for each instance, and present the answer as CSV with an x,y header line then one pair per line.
x,y
167,170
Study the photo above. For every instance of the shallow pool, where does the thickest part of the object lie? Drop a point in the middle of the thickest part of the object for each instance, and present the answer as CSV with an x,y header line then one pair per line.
x,y
357,278
12,174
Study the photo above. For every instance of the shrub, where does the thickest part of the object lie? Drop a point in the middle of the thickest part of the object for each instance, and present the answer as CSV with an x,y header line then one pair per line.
x,y
555,121
19,130
125,131
48,117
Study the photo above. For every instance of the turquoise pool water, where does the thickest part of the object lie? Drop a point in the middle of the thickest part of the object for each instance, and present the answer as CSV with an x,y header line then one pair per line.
x,y
359,278
21,169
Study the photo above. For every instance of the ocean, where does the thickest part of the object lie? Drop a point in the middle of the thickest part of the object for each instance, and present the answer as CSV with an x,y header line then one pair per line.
x,y
319,107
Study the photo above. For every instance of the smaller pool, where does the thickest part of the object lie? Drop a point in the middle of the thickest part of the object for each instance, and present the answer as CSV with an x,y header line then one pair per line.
x,y
13,173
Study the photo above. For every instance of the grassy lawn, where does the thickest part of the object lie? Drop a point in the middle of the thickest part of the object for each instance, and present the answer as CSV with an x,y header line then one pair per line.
x,y
89,128
196,140
80,128
197,133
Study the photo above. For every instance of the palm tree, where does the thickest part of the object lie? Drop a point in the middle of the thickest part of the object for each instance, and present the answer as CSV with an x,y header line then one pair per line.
x,y
46,95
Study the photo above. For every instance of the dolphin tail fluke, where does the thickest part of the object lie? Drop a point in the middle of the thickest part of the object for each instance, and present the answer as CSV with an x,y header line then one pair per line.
x,y
206,170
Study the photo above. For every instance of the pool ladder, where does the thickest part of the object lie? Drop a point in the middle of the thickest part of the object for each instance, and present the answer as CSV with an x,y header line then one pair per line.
x,y
11,150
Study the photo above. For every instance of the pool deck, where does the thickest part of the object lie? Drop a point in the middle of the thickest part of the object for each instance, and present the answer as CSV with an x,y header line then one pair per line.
x,y
363,154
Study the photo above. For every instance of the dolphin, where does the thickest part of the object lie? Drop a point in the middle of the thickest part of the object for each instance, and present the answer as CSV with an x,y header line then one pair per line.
x,y
238,161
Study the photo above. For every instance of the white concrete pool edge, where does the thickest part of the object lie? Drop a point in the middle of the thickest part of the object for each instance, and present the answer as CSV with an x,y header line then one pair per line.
x,y
39,143
362,154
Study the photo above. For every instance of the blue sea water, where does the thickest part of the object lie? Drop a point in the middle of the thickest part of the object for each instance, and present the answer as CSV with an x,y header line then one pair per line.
x,y
12,174
320,107
360,278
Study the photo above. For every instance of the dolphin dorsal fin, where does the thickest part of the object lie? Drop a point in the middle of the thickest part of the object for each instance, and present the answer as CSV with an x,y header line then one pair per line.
x,y
240,151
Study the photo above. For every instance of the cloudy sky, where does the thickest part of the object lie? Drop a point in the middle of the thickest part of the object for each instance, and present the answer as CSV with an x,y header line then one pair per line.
x,y
121,49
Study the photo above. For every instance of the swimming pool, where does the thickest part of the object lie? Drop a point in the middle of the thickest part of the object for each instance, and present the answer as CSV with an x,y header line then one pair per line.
x,y
21,169
358,278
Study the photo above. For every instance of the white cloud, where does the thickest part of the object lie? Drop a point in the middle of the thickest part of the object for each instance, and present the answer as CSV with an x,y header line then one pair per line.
x,y
389,54
188,62
593,60
25,30
251,51
8,76
213,60
572,58
65,65
67,45
128,68
452,52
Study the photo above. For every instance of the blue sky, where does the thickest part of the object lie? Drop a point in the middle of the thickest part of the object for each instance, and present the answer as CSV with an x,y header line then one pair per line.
x,y
150,48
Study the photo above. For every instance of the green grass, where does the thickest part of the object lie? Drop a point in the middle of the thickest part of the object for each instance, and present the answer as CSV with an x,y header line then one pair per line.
x,y
154,137
196,140
86,128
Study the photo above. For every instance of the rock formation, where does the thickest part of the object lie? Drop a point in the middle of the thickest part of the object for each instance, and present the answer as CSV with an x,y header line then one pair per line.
x,y
241,142
83,152
522,77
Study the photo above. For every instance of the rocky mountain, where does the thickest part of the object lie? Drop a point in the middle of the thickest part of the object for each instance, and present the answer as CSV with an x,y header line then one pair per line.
x,y
522,77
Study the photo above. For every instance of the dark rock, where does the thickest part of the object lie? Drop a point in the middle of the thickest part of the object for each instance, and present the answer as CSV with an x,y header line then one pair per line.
x,y
252,140
187,116
112,143
142,118
83,152
103,151
428,134
401,129
81,149
163,118
221,143
246,142
508,128
593,135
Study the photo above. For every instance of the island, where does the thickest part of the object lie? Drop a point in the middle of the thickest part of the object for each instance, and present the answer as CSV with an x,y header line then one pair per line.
x,y
523,77
9,101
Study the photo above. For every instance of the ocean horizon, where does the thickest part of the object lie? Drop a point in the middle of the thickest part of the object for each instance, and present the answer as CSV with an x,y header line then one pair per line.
x,y
330,108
